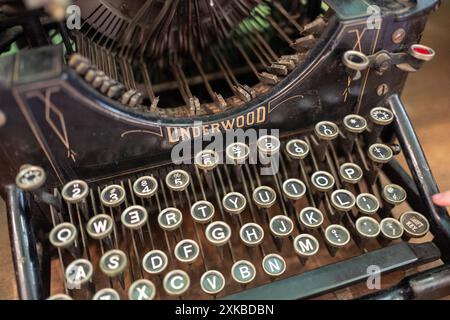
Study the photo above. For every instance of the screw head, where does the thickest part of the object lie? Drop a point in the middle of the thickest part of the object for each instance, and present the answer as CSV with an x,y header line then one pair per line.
x,y
382,89
398,35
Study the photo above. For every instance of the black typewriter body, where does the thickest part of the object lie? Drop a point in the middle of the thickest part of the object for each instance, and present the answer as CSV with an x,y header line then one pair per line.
x,y
61,115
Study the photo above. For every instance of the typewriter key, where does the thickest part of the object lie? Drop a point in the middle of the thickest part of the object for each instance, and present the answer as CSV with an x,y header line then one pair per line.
x,y
294,189
243,271
281,226
212,282
326,131
142,289
268,145
274,265
353,124
202,211
297,149
310,217
63,235
145,187
59,296
379,118
75,191
170,219
134,217
343,201
367,203
234,202
178,180
305,245
112,196
113,262
176,282
106,294
379,154
322,181
100,226
350,172
155,262
251,234
187,250
391,229
264,197
415,225
393,195
218,233
336,236
207,159
237,152
78,273
367,227
32,179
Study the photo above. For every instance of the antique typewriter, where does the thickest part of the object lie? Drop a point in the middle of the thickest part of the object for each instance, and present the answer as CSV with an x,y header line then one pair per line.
x,y
122,182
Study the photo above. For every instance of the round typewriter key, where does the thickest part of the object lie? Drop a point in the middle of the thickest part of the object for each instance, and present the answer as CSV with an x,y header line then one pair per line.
x,y
237,152
134,217
106,294
78,272
393,194
421,52
322,180
337,235
326,130
112,196
281,226
264,197
297,149
350,172
310,217
355,123
367,227
207,159
243,271
367,203
100,226
187,250
342,200
391,229
415,225
142,289
178,180
155,262
202,211
170,219
145,187
306,245
294,189
212,282
381,116
380,153
176,282
234,202
268,145
274,265
113,262
60,296
75,191
63,235
30,178
251,234
218,233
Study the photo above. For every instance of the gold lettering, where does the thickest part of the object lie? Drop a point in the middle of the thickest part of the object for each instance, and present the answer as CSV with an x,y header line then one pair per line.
x,y
196,131
229,124
185,134
240,121
172,138
205,130
250,118
215,127
261,114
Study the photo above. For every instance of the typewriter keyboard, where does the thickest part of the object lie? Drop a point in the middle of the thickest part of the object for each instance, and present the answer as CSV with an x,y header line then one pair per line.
x,y
214,230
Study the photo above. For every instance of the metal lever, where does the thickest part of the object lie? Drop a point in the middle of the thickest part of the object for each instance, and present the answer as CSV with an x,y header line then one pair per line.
x,y
381,61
